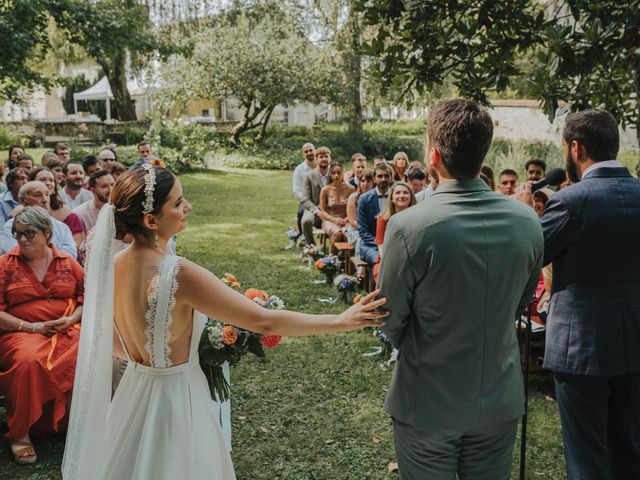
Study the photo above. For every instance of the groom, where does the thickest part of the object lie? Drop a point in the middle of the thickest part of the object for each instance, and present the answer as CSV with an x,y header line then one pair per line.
x,y
458,268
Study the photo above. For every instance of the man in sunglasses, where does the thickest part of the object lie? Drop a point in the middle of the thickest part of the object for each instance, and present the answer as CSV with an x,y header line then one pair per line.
x,y
36,194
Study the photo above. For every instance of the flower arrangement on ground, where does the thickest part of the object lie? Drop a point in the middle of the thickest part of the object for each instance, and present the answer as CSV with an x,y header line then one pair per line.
x,y
311,252
330,266
387,347
292,235
346,286
231,280
221,343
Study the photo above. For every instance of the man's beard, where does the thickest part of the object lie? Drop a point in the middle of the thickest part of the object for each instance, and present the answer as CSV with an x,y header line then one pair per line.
x,y
74,186
102,198
572,169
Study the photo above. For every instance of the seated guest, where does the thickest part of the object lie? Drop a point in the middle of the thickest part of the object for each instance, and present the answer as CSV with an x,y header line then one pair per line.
x,y
370,205
63,152
378,159
100,185
535,169
358,165
73,194
117,169
57,167
507,182
36,194
400,165
91,165
25,161
301,170
487,171
417,178
364,185
434,181
401,198
312,184
14,152
57,208
333,205
48,157
416,164
108,157
41,296
540,199
10,199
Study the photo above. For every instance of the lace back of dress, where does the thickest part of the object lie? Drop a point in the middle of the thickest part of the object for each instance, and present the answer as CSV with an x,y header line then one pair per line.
x,y
161,301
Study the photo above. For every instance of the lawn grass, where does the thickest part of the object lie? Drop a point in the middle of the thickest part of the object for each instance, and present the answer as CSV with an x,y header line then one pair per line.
x,y
313,408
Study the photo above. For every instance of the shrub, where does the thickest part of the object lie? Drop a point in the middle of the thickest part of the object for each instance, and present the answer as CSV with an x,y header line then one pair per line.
x,y
8,138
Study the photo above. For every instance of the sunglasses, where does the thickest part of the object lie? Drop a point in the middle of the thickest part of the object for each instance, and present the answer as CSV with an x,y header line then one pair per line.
x,y
28,234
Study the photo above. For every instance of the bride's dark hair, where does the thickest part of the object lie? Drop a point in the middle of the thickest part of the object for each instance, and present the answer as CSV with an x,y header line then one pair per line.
x,y
128,196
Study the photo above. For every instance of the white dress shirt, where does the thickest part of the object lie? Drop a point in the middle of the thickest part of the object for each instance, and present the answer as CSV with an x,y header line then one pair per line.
x,y
298,179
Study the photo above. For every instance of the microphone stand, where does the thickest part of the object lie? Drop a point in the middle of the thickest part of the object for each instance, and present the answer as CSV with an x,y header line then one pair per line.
x,y
527,354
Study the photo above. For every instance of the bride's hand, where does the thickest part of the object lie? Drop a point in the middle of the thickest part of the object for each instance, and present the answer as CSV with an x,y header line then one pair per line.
x,y
363,314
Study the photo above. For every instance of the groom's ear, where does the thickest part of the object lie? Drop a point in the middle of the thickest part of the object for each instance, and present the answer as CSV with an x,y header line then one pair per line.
x,y
435,159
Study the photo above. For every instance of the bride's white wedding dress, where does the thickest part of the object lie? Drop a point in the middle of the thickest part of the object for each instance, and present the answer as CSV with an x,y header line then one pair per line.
x,y
161,424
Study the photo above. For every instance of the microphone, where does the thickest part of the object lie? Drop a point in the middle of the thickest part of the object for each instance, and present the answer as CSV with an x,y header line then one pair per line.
x,y
554,178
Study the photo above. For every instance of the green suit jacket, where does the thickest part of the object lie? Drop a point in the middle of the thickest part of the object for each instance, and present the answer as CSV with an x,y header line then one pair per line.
x,y
456,270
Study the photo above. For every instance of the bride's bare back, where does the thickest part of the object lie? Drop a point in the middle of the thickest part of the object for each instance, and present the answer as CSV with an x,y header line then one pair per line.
x,y
136,271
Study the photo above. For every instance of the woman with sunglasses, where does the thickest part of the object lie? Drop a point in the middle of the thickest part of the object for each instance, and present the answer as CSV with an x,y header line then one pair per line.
x,y
41,296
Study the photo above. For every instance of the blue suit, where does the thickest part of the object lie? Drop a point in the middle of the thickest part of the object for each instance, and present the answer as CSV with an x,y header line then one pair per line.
x,y
591,231
368,210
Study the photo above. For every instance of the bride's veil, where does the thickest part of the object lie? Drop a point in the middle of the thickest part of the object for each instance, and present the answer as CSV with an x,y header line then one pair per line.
x,y
84,450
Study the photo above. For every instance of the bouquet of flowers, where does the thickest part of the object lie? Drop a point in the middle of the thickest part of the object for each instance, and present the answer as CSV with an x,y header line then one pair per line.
x,y
346,286
221,343
311,253
387,348
230,280
292,235
330,266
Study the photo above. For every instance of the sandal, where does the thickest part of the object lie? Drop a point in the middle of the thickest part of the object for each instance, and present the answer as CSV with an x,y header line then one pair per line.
x,y
25,455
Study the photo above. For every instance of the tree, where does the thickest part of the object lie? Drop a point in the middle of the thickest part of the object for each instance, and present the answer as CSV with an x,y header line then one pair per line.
x,y
473,44
23,29
256,55
118,34
589,56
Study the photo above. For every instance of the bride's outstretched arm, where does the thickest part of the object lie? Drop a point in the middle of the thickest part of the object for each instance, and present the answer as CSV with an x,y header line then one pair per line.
x,y
201,289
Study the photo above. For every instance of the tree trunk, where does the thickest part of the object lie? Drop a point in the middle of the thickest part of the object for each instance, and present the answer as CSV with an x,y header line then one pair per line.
x,y
246,123
116,74
354,74
265,123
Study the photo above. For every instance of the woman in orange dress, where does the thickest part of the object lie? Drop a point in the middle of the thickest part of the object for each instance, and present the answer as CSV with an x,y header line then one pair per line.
x,y
41,296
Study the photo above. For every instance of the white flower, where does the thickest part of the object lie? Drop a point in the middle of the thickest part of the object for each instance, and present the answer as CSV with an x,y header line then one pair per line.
x,y
260,301
276,303
215,337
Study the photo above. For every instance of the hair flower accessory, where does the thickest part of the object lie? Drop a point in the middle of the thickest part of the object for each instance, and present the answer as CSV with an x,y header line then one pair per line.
x,y
156,162
149,184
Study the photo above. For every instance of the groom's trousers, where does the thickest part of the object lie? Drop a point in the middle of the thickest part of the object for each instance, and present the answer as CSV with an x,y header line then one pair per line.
x,y
475,453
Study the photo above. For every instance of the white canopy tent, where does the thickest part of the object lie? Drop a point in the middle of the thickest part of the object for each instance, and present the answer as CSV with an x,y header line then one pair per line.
x,y
102,91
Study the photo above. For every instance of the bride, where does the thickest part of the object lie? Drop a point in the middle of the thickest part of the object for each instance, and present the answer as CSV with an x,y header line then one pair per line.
x,y
150,308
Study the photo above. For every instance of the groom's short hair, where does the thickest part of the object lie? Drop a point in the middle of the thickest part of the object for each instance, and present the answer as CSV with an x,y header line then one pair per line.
x,y
461,130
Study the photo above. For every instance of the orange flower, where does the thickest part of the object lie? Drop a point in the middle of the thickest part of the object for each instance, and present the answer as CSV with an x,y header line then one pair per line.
x,y
255,293
235,284
319,264
158,163
357,298
229,335
231,278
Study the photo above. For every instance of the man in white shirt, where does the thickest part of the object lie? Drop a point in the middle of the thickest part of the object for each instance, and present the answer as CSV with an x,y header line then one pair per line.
x,y
73,194
313,183
309,163
100,185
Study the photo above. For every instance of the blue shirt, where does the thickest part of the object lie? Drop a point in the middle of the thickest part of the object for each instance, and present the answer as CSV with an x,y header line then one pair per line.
x,y
61,238
7,204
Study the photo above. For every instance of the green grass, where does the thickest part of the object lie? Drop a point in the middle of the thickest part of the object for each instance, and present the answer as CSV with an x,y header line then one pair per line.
x,y
312,409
